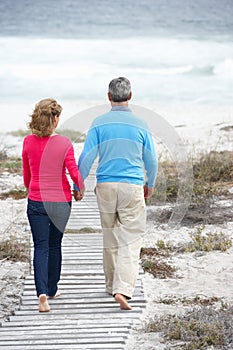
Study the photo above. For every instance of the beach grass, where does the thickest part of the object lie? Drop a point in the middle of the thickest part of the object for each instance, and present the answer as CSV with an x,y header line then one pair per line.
x,y
75,136
212,175
200,328
153,262
208,241
16,194
200,240
14,249
19,132
153,259
186,301
12,165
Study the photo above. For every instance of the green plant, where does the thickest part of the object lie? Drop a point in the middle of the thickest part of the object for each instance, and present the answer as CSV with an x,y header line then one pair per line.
x,y
163,245
20,132
15,194
212,175
197,300
3,154
209,241
197,329
11,165
13,249
75,136
214,167
158,269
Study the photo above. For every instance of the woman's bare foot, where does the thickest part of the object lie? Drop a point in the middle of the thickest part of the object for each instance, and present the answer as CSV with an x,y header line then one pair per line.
x,y
43,303
123,302
57,295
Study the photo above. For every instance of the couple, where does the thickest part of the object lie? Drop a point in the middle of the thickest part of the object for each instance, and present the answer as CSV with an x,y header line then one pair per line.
x,y
126,152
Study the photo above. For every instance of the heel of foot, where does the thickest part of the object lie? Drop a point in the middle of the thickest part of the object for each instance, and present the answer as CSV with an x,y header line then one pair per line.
x,y
43,304
57,295
122,301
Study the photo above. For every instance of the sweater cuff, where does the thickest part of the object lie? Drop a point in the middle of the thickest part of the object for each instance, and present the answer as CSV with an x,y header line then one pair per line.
x,y
75,187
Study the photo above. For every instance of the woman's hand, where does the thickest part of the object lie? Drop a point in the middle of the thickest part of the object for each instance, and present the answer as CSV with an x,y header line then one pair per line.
x,y
78,195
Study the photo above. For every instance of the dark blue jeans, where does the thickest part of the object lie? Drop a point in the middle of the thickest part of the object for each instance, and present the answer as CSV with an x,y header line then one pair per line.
x,y
48,221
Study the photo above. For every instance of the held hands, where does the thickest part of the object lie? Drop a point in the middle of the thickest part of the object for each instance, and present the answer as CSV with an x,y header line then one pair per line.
x,y
148,192
78,195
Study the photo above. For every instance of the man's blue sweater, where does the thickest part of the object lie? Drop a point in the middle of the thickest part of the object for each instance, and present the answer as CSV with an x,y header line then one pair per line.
x,y
125,147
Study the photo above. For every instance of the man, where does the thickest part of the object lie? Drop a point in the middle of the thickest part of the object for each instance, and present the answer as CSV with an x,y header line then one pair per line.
x,y
126,152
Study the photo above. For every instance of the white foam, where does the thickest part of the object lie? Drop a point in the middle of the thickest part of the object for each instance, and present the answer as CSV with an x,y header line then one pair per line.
x,y
225,68
162,69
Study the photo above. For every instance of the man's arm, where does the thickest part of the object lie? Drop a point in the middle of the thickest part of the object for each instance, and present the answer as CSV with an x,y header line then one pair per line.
x,y
151,165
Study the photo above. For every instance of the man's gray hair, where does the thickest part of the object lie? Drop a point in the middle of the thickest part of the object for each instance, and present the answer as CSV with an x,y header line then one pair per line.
x,y
119,89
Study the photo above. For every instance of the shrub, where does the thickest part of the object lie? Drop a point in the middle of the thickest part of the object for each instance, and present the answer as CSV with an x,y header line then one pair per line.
x,y
14,250
11,165
212,174
209,241
197,329
15,194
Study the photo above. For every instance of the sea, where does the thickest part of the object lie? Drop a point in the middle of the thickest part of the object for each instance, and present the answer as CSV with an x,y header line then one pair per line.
x,y
178,55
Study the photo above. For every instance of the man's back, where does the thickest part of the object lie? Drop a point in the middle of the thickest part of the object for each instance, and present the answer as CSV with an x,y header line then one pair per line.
x,y
124,145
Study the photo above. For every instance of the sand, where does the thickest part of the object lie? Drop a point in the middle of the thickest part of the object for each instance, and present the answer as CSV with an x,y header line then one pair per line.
x,y
202,274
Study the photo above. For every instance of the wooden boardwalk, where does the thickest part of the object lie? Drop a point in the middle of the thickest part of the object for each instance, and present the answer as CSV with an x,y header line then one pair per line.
x,y
84,316
85,214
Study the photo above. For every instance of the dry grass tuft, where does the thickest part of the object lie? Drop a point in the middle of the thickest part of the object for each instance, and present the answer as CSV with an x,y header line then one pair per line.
x,y
15,194
198,329
151,261
14,250
197,300
208,242
212,175
3,154
200,241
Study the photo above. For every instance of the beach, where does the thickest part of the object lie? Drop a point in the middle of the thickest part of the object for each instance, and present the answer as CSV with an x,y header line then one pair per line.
x,y
179,60
198,274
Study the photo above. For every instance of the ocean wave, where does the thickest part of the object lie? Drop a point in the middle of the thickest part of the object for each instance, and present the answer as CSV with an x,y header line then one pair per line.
x,y
161,68
141,55
225,68
81,70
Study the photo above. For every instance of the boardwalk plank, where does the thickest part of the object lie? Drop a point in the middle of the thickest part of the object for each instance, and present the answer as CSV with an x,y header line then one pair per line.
x,y
85,301
46,330
117,315
61,347
84,316
64,341
64,337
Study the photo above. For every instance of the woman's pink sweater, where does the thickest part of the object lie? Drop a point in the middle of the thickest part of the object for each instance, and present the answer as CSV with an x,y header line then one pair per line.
x,y
45,160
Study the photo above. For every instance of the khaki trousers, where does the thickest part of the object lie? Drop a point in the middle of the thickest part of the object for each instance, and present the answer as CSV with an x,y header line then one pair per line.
x,y
123,220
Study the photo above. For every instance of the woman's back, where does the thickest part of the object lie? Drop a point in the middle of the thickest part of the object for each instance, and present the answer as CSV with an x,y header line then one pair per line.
x,y
45,160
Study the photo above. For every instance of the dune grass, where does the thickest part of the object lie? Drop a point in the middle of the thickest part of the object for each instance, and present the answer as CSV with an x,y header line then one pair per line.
x,y
200,328
212,175
15,250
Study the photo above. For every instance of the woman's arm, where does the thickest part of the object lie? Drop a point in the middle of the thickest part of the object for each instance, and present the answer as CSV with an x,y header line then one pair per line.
x,y
72,168
26,167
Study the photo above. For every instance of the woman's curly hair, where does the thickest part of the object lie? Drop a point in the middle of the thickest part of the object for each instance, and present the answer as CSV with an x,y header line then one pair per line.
x,y
43,117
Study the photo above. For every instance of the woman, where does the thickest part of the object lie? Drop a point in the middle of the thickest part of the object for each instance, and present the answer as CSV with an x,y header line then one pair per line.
x,y
46,156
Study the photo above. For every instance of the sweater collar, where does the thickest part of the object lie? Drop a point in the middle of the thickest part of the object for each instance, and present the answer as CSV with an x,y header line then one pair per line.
x,y
121,108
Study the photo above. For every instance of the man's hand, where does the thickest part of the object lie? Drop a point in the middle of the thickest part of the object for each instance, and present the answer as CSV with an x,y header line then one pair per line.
x,y
148,192
78,195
